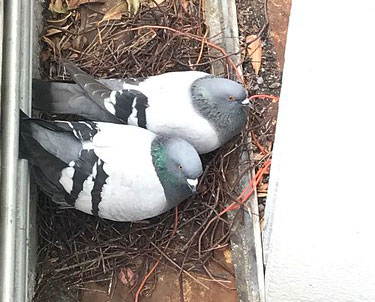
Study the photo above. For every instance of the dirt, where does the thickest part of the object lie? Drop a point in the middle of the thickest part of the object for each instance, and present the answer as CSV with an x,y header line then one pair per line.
x,y
170,287
278,13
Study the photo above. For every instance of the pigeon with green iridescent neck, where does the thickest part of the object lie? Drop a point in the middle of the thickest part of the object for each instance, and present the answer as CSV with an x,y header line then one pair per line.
x,y
118,172
206,111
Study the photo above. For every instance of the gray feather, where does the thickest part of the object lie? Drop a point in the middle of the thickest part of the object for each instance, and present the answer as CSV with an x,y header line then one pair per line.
x,y
67,98
94,89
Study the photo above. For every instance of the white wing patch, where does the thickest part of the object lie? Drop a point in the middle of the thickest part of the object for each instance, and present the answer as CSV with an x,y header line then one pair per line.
x,y
110,102
83,202
66,179
86,124
133,120
87,145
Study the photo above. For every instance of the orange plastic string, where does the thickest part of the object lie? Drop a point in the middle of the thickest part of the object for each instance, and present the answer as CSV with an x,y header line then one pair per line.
x,y
264,96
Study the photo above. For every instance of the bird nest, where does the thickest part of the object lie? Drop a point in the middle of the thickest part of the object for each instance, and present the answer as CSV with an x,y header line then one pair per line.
x,y
74,248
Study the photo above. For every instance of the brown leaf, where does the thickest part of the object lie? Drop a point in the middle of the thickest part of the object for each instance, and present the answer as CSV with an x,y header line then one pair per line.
x,y
134,6
254,50
228,256
153,3
78,42
127,276
262,224
53,31
258,156
49,42
185,5
45,55
56,6
115,12
263,187
60,21
75,3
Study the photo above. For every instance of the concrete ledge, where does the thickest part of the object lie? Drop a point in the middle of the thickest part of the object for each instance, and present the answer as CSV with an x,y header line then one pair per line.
x,y
320,209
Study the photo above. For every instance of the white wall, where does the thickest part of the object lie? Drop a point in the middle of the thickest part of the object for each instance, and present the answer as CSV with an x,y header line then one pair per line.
x,y
320,235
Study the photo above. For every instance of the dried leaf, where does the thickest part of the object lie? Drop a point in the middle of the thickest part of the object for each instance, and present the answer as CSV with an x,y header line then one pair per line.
x,y
185,5
45,55
258,156
228,256
54,31
262,224
72,4
56,6
78,42
134,6
127,276
115,12
153,3
62,20
49,42
263,187
254,50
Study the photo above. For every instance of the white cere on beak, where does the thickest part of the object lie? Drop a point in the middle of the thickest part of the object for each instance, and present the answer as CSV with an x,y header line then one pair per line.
x,y
192,182
245,102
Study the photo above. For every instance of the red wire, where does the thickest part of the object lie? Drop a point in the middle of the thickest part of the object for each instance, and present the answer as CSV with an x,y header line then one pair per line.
x,y
244,196
257,178
264,96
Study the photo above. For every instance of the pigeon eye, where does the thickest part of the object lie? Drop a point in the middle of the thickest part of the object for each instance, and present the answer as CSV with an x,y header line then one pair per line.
x,y
231,98
180,168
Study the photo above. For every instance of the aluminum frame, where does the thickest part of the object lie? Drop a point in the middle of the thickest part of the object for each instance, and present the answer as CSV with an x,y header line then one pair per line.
x,y
14,190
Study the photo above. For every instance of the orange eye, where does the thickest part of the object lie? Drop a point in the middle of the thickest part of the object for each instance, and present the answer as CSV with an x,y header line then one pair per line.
x,y
231,98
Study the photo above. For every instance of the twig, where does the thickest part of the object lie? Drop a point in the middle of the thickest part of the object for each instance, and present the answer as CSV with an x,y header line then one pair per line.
x,y
158,261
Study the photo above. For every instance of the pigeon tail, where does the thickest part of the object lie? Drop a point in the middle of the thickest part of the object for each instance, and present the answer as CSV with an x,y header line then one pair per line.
x,y
67,98
24,128
40,138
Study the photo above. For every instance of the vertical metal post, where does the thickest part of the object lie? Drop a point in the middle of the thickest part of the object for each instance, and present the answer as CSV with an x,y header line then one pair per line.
x,y
23,196
9,137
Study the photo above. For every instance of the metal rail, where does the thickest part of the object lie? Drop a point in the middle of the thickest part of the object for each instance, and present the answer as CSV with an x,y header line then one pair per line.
x,y
15,91
23,195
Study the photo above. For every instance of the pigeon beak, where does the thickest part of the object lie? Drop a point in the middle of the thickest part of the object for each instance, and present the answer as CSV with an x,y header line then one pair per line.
x,y
193,185
246,103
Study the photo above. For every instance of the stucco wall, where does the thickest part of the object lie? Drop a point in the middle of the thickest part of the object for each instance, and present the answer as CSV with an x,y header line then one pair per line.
x,y
320,235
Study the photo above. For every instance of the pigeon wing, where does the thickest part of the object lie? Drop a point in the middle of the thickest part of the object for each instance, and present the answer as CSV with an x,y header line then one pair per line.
x,y
118,102
67,98
94,89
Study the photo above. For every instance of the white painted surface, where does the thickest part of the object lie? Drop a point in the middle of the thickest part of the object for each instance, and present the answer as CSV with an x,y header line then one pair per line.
x,y
321,242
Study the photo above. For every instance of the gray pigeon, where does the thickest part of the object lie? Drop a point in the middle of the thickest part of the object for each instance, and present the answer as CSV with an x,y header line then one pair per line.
x,y
204,110
118,172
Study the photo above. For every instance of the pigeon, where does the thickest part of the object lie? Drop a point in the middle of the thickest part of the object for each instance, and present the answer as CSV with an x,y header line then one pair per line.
x,y
114,171
204,110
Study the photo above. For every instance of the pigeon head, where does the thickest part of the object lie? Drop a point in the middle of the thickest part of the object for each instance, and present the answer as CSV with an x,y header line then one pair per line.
x,y
223,103
178,167
222,92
